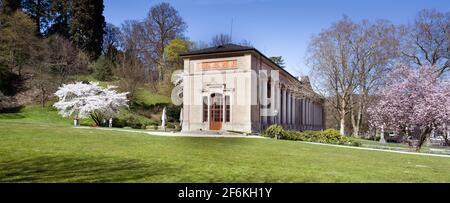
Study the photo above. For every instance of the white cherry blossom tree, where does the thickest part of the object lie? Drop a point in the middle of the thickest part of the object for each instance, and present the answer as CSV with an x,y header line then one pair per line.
x,y
83,100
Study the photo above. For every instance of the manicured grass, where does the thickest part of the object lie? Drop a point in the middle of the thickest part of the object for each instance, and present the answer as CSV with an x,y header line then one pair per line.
x,y
377,143
403,146
35,114
43,152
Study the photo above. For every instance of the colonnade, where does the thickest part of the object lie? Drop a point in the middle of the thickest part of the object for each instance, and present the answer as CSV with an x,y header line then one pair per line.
x,y
293,112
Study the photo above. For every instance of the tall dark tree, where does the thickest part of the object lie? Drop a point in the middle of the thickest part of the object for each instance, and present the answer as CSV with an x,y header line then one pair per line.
x,y
8,7
39,11
278,60
61,13
112,38
87,26
112,43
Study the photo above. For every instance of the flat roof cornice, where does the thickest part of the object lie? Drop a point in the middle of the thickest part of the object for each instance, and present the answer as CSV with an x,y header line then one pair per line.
x,y
242,51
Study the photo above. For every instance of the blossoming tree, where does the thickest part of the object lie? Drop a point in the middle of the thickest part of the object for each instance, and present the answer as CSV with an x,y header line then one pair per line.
x,y
81,100
415,101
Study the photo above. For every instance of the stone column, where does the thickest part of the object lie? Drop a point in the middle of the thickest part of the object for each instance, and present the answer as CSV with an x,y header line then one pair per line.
x,y
289,109
308,119
278,104
293,112
272,102
299,113
306,114
283,111
314,116
303,114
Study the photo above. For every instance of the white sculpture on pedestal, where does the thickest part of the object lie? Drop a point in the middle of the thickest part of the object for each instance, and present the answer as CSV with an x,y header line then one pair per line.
x,y
163,119
382,140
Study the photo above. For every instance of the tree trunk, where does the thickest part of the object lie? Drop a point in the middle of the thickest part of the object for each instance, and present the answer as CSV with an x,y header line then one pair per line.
x,y
42,97
356,121
446,135
343,112
446,138
356,131
97,118
342,129
423,137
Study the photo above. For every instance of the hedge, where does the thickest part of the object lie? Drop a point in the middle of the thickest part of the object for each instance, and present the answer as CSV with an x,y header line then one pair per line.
x,y
330,136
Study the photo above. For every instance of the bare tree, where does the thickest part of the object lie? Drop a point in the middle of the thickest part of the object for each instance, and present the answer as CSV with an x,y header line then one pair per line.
x,y
375,46
112,38
349,60
64,59
427,40
199,45
220,39
162,25
331,59
246,43
131,72
42,81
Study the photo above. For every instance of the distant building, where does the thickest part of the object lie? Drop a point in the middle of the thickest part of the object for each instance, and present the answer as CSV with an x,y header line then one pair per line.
x,y
232,87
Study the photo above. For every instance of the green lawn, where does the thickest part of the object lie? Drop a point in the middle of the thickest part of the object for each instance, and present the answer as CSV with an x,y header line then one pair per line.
x,y
403,147
43,152
37,114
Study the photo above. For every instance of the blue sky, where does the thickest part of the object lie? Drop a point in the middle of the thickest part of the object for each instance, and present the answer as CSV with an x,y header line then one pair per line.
x,y
275,27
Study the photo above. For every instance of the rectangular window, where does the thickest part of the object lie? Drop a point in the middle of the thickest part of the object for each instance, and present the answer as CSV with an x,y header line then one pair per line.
x,y
227,108
205,109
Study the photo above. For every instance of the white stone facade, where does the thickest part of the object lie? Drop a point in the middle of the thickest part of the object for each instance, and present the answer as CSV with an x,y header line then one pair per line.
x,y
244,91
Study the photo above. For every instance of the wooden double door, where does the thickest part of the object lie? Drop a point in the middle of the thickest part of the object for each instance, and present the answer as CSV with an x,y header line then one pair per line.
x,y
216,112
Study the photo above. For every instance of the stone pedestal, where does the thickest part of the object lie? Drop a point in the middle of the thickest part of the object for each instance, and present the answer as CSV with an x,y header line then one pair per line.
x,y
382,140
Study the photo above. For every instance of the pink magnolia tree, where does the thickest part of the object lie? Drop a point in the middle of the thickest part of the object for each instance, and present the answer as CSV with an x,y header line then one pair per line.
x,y
414,100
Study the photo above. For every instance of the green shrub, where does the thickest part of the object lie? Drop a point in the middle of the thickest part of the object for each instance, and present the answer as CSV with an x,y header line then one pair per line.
x,y
170,126
133,122
329,136
119,123
332,136
173,113
127,118
355,143
102,70
274,131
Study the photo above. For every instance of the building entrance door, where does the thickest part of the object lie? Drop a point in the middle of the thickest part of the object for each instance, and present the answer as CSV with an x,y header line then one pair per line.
x,y
216,112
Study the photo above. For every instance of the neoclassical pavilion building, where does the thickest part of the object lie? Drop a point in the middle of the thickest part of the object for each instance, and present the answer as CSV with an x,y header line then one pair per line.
x,y
237,88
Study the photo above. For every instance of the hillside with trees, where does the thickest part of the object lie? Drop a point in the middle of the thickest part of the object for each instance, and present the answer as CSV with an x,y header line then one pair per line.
x,y
48,43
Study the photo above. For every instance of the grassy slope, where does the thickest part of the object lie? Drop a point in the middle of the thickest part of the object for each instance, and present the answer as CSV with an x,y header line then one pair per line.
x,y
42,152
147,98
